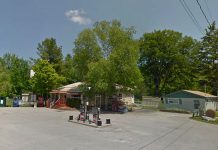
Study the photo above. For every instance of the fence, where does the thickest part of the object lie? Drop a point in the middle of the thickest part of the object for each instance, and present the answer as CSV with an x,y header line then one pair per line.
x,y
151,101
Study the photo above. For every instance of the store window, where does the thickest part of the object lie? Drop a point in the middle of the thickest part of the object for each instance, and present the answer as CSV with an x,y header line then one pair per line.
x,y
173,101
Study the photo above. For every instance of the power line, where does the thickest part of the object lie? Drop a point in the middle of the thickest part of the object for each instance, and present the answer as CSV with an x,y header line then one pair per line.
x,y
191,15
208,9
203,12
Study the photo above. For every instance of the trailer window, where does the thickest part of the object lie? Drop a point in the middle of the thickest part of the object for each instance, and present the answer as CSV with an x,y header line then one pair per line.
x,y
196,104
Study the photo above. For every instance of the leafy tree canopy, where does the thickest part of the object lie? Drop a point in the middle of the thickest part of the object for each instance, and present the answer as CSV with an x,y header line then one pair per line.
x,y
69,71
45,78
5,84
18,69
49,50
165,61
208,56
107,55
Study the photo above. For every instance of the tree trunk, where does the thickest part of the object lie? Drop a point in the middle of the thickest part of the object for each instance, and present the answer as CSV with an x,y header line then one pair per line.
x,y
156,89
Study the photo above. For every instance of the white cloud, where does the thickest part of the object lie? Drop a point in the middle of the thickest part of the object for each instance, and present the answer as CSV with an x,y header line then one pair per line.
x,y
77,16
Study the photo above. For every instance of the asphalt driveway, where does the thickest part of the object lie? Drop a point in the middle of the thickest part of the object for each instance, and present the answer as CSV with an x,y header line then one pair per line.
x,y
49,129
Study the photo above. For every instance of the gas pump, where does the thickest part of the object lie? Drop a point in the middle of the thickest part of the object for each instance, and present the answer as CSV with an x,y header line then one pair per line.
x,y
96,114
83,116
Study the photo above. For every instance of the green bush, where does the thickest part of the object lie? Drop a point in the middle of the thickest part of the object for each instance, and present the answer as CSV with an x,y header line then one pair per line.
x,y
130,108
161,106
138,101
211,113
199,118
9,102
74,103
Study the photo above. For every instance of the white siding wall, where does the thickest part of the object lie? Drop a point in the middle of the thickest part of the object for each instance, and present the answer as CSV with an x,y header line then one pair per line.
x,y
210,105
216,105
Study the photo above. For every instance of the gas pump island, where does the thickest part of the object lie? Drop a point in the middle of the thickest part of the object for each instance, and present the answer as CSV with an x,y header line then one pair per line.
x,y
88,118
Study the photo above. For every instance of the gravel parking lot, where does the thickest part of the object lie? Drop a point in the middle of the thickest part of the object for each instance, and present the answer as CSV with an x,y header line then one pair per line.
x,y
49,129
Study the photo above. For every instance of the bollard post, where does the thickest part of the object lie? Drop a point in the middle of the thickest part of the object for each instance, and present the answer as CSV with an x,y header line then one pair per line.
x,y
99,123
70,117
108,121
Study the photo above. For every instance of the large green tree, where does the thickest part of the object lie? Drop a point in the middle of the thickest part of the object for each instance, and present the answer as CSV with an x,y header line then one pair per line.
x,y
20,74
100,77
49,50
121,50
208,56
19,69
5,84
166,61
45,78
86,50
108,54
69,71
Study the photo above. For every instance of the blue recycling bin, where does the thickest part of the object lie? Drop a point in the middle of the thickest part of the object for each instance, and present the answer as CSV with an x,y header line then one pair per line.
x,y
15,103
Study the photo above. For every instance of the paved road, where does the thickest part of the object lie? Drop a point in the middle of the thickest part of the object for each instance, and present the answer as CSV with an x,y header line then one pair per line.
x,y
48,129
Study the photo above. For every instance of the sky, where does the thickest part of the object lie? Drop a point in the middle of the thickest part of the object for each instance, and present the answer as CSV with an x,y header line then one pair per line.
x,y
25,23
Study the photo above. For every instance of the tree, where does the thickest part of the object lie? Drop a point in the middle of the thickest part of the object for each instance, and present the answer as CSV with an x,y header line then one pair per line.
x,y
100,77
165,61
49,50
68,70
8,60
19,73
107,55
45,78
86,51
5,85
208,56
121,50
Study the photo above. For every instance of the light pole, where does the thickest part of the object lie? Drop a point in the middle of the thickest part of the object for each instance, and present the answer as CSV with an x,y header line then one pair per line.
x,y
216,62
86,104
33,96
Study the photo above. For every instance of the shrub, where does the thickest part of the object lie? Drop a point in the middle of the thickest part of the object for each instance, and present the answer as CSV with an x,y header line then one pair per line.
x,y
161,106
74,103
9,102
138,101
130,109
210,113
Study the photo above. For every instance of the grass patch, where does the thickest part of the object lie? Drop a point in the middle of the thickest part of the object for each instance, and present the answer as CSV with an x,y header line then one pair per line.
x,y
198,118
150,107
161,107
216,113
175,110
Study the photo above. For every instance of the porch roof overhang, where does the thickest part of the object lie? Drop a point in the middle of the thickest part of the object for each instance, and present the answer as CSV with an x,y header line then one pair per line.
x,y
57,92
65,92
68,89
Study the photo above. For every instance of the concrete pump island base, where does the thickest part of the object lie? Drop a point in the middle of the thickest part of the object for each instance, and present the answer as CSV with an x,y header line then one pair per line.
x,y
90,119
